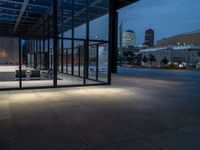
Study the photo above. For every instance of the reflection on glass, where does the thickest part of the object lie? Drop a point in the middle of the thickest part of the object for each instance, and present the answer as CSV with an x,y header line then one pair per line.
x,y
9,62
36,70
98,61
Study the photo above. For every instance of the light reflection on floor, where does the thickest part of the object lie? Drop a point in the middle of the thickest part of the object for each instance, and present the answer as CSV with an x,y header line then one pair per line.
x,y
127,114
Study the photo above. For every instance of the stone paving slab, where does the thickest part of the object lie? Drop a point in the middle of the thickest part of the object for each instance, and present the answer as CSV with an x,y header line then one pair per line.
x,y
134,113
175,140
5,109
193,129
135,144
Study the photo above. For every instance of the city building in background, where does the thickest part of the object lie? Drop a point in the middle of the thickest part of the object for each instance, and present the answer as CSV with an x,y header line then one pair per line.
x,y
129,38
121,35
189,55
149,38
190,38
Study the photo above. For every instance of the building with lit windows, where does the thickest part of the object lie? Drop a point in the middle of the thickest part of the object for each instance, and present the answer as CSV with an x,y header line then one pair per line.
x,y
188,55
128,38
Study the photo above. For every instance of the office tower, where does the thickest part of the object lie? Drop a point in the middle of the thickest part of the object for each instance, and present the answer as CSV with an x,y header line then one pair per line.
x,y
129,38
149,38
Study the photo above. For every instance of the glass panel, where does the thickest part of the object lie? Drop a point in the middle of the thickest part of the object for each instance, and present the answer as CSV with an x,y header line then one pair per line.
x,y
98,50
9,62
80,19
81,52
35,64
98,62
65,18
99,22
67,78
69,52
67,58
93,60
103,49
51,59
78,58
80,32
76,61
60,56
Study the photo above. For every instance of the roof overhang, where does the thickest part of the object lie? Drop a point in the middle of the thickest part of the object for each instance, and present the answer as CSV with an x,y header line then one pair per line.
x,y
123,3
21,17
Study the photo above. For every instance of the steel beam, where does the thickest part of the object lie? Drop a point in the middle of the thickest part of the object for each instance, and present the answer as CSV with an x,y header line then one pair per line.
x,y
23,9
15,2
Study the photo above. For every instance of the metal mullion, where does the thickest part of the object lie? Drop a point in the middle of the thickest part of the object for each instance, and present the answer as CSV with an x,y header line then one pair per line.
x,y
72,46
35,54
97,62
62,43
67,61
48,44
40,51
79,62
44,44
36,45
62,57
20,64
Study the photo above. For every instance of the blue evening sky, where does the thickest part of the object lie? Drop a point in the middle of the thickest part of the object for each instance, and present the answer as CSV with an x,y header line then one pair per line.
x,y
166,17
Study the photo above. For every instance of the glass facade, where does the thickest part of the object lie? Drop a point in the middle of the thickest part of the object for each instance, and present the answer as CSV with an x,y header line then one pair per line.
x,y
56,44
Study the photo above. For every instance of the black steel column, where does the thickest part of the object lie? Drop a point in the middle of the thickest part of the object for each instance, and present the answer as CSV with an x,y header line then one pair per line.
x,y
87,38
62,35
72,54
97,62
40,53
79,61
62,54
113,36
86,45
67,60
35,55
44,56
36,45
55,27
20,63
84,63
48,44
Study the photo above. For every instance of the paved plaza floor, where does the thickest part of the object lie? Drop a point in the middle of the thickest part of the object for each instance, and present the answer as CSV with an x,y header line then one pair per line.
x,y
143,110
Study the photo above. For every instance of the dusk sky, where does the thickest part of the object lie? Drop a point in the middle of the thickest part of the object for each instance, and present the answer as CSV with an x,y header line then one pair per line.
x,y
166,17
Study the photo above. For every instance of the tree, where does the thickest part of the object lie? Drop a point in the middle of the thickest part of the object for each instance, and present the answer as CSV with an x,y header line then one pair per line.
x,y
130,57
125,56
144,59
152,58
164,61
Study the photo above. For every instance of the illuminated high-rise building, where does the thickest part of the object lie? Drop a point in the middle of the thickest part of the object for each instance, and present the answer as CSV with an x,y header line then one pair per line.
x,y
129,38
